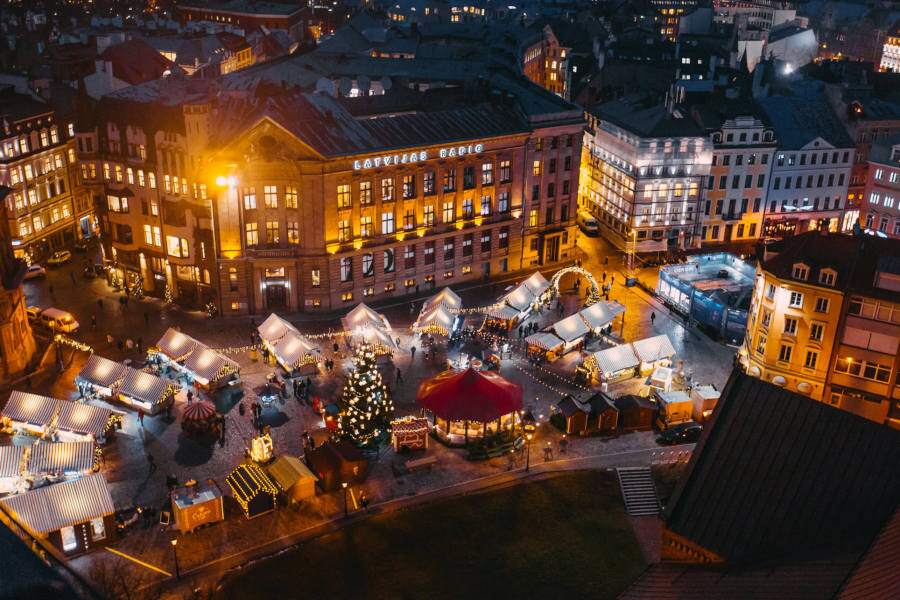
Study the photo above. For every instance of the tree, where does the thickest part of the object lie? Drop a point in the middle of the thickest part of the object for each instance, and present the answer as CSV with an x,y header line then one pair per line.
x,y
367,402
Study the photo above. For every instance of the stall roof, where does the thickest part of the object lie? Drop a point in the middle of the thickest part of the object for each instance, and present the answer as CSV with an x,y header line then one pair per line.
x,y
83,418
248,480
102,371
206,363
61,457
600,314
502,311
437,315
616,358
362,316
537,284
176,345
142,386
654,348
61,505
376,336
26,407
545,340
274,328
288,470
673,397
520,298
470,395
706,392
11,460
292,347
446,296
571,328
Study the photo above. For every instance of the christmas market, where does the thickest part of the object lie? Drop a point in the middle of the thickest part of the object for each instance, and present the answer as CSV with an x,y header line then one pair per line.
x,y
99,377
253,489
146,391
467,405
197,504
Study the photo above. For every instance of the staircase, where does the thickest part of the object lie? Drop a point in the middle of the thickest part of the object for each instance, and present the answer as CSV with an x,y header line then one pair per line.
x,y
638,490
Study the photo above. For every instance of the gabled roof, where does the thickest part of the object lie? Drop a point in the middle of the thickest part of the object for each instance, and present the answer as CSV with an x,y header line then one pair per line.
x,y
800,120
135,61
60,505
780,476
876,575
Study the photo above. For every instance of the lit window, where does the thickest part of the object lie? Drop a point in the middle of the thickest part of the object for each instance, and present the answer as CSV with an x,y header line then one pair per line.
x,y
290,197
796,300
270,196
251,234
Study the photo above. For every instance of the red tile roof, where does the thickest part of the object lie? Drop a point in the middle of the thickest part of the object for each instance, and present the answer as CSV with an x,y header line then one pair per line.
x,y
877,576
136,61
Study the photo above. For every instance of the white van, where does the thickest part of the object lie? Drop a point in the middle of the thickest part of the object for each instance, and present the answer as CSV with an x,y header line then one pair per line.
x,y
58,320
587,222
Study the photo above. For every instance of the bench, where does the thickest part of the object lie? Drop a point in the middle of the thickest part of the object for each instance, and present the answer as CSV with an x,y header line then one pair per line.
x,y
421,463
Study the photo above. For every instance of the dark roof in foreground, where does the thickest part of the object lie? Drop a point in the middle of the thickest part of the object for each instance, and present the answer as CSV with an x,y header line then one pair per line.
x,y
26,575
781,477
877,575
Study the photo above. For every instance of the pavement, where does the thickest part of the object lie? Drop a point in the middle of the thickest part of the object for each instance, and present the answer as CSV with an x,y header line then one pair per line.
x,y
226,544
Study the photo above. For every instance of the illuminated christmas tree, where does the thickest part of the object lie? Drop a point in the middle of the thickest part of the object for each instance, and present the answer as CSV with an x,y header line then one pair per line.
x,y
368,408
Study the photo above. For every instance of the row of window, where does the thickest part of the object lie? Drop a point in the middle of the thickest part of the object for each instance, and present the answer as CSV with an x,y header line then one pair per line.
x,y
288,198
25,143
739,158
273,233
863,369
892,175
879,311
36,194
814,158
798,181
37,222
736,181
875,199
733,206
883,224
788,205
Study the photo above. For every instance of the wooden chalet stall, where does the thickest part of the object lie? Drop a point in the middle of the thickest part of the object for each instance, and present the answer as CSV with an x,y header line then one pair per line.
x,y
293,478
296,353
196,505
29,413
146,391
99,377
12,461
675,407
56,461
613,364
335,463
546,344
78,422
571,331
207,369
636,413
253,489
597,414
75,516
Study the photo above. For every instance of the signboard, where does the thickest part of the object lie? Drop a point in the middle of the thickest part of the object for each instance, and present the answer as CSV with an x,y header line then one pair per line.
x,y
415,156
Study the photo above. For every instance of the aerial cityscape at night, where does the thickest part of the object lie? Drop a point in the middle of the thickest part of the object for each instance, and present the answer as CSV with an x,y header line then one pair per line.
x,y
436,299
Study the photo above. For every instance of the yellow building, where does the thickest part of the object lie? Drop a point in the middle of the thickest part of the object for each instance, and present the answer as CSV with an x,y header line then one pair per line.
x,y
825,321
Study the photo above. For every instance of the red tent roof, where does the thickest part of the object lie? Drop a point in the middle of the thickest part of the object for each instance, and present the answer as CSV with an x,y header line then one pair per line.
x,y
470,396
198,411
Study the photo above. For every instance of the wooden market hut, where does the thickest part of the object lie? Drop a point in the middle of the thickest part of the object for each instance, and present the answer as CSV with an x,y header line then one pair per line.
x,y
596,414
544,343
75,516
467,405
66,460
79,422
31,413
636,413
100,375
253,489
293,478
146,391
335,463
196,505
11,468
571,330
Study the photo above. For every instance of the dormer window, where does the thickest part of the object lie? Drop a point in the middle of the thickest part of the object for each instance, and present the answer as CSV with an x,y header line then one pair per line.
x,y
800,272
827,276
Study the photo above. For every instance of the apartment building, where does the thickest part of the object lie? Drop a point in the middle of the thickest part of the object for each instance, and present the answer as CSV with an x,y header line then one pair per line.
x,y
890,52
360,201
545,62
17,345
743,146
645,166
825,321
36,158
880,209
811,169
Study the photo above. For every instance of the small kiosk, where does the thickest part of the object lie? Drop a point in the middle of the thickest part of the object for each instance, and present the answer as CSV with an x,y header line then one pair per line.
x,y
197,504
293,478
656,351
99,377
253,489
704,399
674,408
146,391
335,463
409,433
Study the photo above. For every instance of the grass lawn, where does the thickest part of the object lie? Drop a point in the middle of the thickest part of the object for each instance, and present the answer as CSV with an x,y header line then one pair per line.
x,y
567,536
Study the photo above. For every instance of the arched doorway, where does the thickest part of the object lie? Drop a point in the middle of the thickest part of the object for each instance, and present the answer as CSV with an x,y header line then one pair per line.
x,y
553,290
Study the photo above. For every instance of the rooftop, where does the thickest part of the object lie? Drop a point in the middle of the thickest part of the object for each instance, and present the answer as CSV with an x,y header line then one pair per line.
x,y
883,151
17,107
799,120
648,117
246,7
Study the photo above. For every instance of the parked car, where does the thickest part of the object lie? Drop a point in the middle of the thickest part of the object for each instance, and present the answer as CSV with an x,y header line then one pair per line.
x,y
587,223
59,258
55,319
683,433
33,312
35,272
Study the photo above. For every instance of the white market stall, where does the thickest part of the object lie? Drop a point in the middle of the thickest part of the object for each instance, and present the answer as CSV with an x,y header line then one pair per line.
x,y
362,316
372,328
516,305
437,320
656,351
206,368
146,391
61,460
78,422
613,364
292,350
30,413
445,297
99,376
600,314
571,330
544,342
11,466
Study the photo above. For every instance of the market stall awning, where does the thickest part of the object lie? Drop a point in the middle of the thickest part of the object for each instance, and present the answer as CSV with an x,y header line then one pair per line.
x,y
176,345
102,372
61,505
470,396
537,284
286,471
142,386
545,340
502,311
293,348
616,358
447,297
11,460
600,314
207,364
61,457
249,480
84,419
362,316
274,328
520,298
437,317
654,348
25,407
376,337
571,329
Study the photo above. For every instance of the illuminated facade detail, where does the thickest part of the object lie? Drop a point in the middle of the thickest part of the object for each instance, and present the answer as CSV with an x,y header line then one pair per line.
x,y
880,206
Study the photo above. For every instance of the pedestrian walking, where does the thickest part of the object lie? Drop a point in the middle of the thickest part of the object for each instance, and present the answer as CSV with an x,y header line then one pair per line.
x,y
141,417
72,277
652,317
364,501
399,376
603,277
109,340
146,319
190,396
412,352
151,462
93,321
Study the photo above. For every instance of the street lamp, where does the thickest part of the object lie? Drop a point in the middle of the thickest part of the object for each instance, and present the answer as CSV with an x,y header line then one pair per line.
x,y
175,554
528,437
344,485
